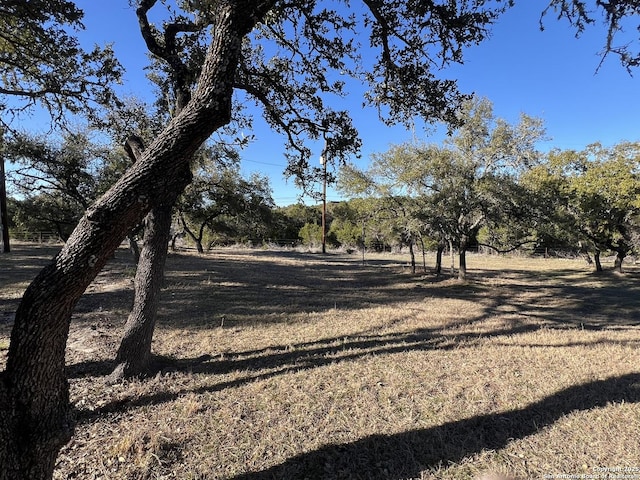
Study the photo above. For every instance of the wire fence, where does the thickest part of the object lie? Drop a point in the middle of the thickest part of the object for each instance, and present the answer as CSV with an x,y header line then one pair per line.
x,y
51,237
35,237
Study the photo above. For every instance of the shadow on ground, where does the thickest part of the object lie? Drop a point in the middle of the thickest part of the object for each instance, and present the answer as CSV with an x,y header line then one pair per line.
x,y
269,287
262,364
252,287
407,454
255,287
202,289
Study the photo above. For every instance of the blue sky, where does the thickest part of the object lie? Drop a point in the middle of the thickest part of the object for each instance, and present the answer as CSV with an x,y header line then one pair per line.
x,y
548,74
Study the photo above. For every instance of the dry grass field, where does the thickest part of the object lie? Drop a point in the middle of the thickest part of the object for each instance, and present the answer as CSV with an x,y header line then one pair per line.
x,y
289,365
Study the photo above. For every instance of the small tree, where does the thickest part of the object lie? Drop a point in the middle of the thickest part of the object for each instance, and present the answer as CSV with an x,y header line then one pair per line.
x,y
226,205
311,235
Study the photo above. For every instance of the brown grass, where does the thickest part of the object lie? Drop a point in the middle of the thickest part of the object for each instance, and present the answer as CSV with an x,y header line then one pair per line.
x,y
292,365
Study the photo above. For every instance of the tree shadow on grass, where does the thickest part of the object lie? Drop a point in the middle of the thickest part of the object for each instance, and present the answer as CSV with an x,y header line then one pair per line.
x,y
256,296
266,291
252,288
404,455
281,360
407,454
584,307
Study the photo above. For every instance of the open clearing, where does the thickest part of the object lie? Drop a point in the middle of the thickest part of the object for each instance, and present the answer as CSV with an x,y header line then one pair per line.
x,y
290,365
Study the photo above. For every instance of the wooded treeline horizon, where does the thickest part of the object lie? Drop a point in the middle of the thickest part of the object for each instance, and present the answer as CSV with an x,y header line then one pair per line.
x,y
487,185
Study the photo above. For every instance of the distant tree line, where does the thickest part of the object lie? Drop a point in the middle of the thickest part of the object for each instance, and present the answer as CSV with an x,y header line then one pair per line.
x,y
486,186
489,186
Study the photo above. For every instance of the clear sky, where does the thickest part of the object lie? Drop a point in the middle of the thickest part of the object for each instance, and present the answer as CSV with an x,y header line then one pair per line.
x,y
548,74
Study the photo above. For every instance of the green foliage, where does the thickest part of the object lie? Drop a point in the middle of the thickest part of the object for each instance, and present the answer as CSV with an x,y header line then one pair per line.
x,y
41,61
224,207
349,220
45,213
55,183
311,235
287,221
376,215
590,197
346,233
450,192
600,188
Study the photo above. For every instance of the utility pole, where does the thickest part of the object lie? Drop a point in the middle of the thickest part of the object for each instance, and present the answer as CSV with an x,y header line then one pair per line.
x,y
363,242
4,216
323,162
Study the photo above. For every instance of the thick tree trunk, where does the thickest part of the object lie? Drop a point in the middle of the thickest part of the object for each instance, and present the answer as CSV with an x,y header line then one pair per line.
x,y
462,269
596,259
34,402
438,267
617,266
34,412
134,352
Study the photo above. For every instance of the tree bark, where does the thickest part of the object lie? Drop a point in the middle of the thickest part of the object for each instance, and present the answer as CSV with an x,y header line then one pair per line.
x,y
424,255
199,247
196,239
35,419
617,266
453,258
462,270
438,267
596,259
134,352
413,256
462,257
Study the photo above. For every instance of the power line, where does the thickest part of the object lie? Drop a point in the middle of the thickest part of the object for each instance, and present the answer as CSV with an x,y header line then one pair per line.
x,y
264,163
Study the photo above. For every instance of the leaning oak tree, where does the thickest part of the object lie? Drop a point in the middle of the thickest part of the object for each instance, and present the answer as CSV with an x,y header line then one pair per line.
x,y
135,347
34,406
